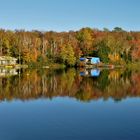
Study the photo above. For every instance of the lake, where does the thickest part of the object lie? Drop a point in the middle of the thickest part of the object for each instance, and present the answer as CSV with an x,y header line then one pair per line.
x,y
83,104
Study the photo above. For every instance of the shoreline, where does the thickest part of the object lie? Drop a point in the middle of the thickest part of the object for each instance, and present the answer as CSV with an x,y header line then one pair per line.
x,y
134,65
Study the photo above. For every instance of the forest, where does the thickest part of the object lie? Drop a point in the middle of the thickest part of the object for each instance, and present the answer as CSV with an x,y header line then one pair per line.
x,y
44,48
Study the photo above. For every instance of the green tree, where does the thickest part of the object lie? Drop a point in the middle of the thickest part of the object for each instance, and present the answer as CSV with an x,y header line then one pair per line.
x,y
67,55
71,59
118,29
103,51
85,38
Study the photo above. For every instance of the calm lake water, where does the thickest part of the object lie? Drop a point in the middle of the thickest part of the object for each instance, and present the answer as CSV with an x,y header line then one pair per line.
x,y
70,105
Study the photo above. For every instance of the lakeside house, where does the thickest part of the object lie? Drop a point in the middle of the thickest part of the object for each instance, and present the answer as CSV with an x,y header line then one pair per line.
x,y
90,60
7,60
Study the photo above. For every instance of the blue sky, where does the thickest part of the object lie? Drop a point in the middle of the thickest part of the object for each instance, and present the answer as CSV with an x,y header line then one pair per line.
x,y
64,15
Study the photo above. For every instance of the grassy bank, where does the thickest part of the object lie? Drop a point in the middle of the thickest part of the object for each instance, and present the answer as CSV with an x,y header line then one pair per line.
x,y
46,65
133,66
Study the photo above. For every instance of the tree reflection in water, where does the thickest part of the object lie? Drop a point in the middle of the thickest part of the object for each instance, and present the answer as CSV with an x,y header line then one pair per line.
x,y
33,84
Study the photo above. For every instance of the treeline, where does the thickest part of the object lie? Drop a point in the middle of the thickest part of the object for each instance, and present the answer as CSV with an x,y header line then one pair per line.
x,y
35,47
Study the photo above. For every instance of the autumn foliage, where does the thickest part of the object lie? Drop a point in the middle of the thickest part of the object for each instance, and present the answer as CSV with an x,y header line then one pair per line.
x,y
117,46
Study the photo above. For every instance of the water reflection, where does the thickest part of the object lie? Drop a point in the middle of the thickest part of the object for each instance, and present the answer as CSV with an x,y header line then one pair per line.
x,y
88,85
5,72
90,72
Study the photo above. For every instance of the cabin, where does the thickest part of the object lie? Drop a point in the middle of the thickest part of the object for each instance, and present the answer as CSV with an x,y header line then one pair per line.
x,y
95,60
7,60
90,60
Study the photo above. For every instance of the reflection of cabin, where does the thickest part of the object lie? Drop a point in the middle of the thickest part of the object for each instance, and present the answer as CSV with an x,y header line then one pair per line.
x,y
7,60
90,60
90,72
7,72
